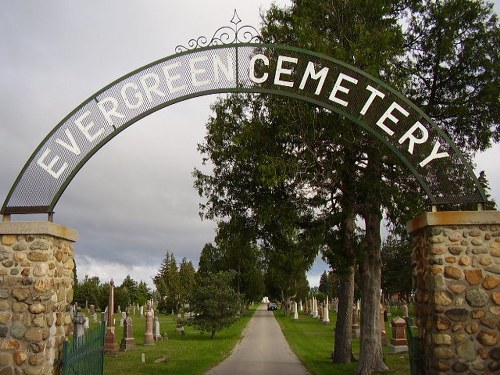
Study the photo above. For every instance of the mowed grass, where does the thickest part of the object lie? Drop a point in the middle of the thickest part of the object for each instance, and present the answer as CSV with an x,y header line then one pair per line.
x,y
312,342
195,353
190,354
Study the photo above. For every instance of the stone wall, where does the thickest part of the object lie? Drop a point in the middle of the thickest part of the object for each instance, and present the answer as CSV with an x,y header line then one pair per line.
x,y
456,257
36,288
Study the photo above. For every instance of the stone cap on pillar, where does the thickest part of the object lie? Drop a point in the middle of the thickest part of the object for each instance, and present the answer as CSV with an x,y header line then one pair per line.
x,y
430,219
38,227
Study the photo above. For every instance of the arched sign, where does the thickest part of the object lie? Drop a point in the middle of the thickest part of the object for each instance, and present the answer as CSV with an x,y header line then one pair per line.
x,y
251,68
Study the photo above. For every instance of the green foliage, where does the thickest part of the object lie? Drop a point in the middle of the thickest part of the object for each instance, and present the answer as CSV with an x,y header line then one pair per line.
x,y
253,190
91,292
122,298
167,284
452,67
189,354
397,267
88,291
138,292
215,304
187,280
211,259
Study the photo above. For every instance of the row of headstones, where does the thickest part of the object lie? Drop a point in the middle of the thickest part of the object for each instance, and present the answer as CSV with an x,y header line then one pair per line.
x,y
320,311
152,330
398,342
131,310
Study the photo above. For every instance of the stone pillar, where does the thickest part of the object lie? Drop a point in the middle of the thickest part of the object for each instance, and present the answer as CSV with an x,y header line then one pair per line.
x,y
456,258
36,290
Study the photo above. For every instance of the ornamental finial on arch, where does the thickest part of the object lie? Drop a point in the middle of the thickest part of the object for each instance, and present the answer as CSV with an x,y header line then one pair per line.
x,y
225,35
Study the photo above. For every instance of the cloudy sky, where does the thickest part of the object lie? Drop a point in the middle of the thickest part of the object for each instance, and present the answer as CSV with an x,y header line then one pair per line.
x,y
134,199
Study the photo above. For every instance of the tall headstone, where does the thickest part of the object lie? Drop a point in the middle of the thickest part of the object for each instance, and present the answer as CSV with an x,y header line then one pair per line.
x,y
295,312
404,310
326,313
156,330
383,331
110,345
128,340
356,332
148,334
78,323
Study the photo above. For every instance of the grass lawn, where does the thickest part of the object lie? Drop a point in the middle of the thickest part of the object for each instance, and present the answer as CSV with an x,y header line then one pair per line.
x,y
312,342
195,353
190,354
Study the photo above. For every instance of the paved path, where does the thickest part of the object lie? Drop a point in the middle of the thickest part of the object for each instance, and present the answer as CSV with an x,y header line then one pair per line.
x,y
262,350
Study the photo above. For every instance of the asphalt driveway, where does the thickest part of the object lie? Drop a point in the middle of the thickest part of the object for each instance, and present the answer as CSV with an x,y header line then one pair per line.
x,y
262,350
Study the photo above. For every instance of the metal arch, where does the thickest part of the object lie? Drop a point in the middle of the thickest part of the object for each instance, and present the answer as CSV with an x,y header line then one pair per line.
x,y
27,192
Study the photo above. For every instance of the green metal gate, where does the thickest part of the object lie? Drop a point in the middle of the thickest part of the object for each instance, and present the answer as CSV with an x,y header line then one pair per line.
x,y
414,349
84,354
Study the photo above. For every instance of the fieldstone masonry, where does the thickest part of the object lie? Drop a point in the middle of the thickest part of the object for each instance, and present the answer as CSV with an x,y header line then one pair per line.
x,y
36,289
456,258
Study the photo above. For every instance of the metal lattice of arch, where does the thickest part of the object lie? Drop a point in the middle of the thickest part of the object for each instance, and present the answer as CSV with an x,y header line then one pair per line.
x,y
234,60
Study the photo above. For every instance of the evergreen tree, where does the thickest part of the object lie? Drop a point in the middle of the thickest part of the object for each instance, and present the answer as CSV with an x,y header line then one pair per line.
x,y
187,281
167,283
215,303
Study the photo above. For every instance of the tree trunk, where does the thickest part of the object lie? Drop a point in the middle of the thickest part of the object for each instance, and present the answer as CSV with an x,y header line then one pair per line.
x,y
342,350
371,355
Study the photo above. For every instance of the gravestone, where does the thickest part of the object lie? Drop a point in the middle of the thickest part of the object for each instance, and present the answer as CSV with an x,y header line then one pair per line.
x,y
156,330
295,312
398,344
326,313
148,335
383,332
179,327
128,340
122,320
78,324
404,309
110,345
356,332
